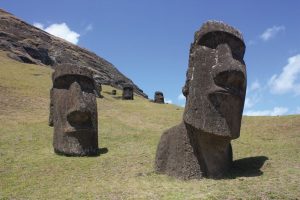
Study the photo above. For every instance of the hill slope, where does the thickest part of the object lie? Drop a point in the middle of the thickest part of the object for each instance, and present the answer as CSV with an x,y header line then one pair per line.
x,y
29,44
266,156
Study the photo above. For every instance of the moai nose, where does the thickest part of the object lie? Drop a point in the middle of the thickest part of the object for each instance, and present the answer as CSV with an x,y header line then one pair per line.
x,y
78,115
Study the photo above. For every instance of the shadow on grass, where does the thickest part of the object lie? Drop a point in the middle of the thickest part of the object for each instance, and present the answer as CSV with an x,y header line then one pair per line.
x,y
103,150
98,153
117,97
247,167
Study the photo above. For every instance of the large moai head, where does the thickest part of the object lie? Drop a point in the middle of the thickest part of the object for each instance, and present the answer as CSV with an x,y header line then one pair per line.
x,y
216,81
159,97
73,111
127,92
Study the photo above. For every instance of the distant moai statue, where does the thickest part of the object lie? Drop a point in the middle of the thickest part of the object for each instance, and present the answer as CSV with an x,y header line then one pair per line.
x,y
215,91
114,92
98,86
127,92
73,111
159,97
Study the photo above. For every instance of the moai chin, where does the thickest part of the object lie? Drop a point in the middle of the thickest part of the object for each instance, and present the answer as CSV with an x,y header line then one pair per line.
x,y
127,92
159,97
73,111
215,91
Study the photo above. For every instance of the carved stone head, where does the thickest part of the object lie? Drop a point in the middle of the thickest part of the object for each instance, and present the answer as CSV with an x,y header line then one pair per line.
x,y
127,92
73,111
159,97
216,81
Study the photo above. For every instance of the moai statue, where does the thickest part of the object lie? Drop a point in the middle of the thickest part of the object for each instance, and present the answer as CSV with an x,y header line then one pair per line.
x,y
127,92
98,85
114,92
159,97
215,92
73,111
98,90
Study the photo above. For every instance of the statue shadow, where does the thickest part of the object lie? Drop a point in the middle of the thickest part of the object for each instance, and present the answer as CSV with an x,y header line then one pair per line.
x,y
99,152
103,150
247,167
117,97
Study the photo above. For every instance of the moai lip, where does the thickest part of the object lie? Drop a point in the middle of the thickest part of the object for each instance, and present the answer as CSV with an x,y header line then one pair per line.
x,y
215,91
73,111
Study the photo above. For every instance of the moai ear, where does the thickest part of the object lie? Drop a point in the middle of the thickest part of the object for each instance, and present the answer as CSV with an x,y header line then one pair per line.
x,y
50,123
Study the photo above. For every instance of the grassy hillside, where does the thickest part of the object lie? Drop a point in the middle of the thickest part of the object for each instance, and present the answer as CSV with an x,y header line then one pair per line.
x,y
267,161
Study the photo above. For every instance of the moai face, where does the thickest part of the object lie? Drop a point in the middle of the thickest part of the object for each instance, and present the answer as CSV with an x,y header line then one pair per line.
x,y
73,111
216,81
127,92
159,97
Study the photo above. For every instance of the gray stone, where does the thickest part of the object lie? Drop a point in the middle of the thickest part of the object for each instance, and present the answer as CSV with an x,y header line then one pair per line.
x,y
159,97
73,111
215,91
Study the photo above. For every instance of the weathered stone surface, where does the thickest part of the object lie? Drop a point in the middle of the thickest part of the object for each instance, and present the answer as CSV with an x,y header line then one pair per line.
x,y
114,92
159,97
73,111
127,92
215,92
26,43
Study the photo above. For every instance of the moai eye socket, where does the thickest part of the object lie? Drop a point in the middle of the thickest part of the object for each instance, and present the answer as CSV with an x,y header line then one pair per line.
x,y
63,82
86,84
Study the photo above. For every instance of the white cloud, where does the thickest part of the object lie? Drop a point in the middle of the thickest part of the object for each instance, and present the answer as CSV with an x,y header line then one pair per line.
x,y
251,42
255,85
254,94
169,101
251,101
274,112
271,32
181,97
61,30
38,25
89,28
286,81
298,110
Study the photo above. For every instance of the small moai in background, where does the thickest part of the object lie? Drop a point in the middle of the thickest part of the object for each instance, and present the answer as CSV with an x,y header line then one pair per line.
x,y
127,92
98,90
73,111
159,97
215,88
98,86
114,92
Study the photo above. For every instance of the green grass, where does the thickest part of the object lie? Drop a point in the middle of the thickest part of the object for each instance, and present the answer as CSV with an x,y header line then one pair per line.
x,y
267,157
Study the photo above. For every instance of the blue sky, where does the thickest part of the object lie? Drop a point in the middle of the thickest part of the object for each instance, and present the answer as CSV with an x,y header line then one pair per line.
x,y
149,41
